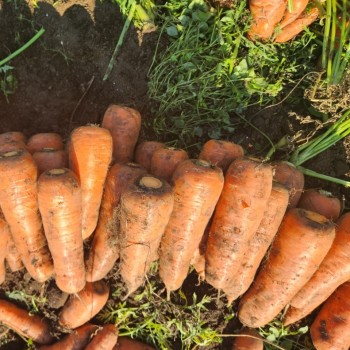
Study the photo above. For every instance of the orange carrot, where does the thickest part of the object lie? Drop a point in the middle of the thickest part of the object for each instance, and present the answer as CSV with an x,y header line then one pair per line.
x,y
83,306
288,175
144,153
293,29
126,343
165,160
247,187
197,187
12,256
198,259
77,340
44,140
298,6
259,243
26,325
334,270
330,330
104,250
145,208
221,153
18,200
248,339
105,339
59,196
321,202
90,153
266,15
301,244
124,124
4,237
50,158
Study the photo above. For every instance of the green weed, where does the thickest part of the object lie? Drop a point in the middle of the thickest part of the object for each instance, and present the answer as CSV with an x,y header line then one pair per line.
x,y
33,302
8,82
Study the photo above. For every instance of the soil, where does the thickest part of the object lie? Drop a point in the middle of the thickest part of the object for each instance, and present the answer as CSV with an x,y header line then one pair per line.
x,y
57,84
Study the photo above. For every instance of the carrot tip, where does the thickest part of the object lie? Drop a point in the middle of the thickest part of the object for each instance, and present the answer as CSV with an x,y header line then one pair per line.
x,y
12,153
150,182
203,163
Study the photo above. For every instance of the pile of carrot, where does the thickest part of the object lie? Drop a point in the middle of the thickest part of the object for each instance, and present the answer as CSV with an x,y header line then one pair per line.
x,y
248,228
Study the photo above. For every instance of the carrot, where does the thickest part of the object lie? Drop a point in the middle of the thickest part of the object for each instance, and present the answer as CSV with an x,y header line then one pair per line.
x,y
266,15
11,136
144,153
259,243
334,270
330,329
83,306
241,206
124,124
90,153
291,30
301,244
248,339
25,324
18,200
12,256
290,16
77,340
126,343
197,187
10,141
59,196
104,250
145,209
44,140
4,238
50,158
321,202
105,339
165,160
288,175
220,153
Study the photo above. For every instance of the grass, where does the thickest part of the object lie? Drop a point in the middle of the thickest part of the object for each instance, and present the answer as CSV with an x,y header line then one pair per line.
x,y
210,70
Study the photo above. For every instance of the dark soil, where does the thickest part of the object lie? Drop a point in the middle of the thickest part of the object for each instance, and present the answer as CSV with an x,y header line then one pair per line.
x,y
58,85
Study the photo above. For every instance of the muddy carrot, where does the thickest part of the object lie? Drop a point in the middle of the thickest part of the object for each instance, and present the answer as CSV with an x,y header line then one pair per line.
x,y
126,343
165,160
144,153
90,154
59,196
44,140
248,339
259,243
26,325
50,158
145,208
104,250
333,271
321,202
290,16
293,29
266,15
18,200
241,206
330,329
288,175
105,339
301,244
221,153
124,124
12,136
83,306
77,340
197,187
